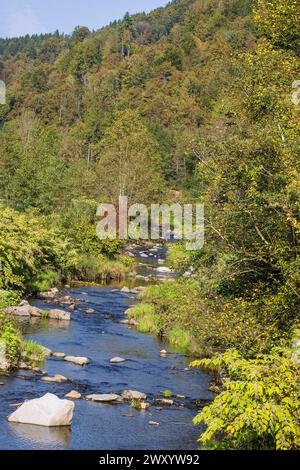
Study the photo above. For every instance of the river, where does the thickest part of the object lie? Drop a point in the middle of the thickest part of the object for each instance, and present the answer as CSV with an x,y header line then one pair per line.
x,y
101,336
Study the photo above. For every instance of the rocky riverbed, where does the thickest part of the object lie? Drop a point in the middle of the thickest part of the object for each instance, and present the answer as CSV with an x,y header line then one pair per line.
x,y
102,359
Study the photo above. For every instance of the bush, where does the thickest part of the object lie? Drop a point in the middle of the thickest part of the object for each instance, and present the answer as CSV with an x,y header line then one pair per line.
x,y
258,407
10,337
9,298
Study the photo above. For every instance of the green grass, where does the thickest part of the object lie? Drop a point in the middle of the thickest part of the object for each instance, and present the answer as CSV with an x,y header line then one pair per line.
x,y
180,338
92,268
149,324
45,280
32,353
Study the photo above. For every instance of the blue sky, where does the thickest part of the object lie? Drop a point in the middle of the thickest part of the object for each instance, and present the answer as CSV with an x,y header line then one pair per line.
x,y
19,17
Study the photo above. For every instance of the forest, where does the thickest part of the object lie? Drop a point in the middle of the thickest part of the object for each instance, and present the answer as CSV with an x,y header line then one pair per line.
x,y
195,102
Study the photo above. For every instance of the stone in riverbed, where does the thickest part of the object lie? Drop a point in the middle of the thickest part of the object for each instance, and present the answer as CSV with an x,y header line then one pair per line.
x,y
133,395
73,395
47,351
125,290
79,361
36,312
166,402
59,355
58,379
50,294
117,360
153,423
104,398
145,405
163,269
48,410
59,315
90,311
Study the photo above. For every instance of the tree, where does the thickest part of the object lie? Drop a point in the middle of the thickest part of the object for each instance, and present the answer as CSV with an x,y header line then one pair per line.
x,y
129,162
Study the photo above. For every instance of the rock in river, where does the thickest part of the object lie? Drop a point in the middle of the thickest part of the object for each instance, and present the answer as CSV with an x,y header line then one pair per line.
x,y
50,294
117,360
79,361
73,395
58,379
59,355
133,395
59,315
48,410
104,398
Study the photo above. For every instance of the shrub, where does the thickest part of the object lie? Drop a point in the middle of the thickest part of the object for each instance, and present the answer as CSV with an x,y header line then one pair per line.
x,y
258,407
10,337
9,298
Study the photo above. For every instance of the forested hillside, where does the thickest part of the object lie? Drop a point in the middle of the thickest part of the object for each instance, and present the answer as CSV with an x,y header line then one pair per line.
x,y
200,94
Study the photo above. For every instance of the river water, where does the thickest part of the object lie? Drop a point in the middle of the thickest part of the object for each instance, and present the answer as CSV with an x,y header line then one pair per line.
x,y
101,336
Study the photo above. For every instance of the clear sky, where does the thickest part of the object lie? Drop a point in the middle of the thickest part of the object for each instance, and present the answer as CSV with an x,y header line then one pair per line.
x,y
19,17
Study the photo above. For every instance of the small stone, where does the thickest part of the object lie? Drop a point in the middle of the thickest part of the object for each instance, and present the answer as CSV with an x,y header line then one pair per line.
x,y
79,361
24,366
90,311
71,307
133,395
165,401
125,290
117,360
55,379
104,398
36,312
73,395
56,314
153,423
145,405
59,355
163,351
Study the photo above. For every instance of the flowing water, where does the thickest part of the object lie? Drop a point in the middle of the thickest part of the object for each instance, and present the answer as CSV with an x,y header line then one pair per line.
x,y
101,336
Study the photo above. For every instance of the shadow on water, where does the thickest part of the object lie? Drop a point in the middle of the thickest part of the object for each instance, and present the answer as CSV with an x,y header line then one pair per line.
x,y
101,336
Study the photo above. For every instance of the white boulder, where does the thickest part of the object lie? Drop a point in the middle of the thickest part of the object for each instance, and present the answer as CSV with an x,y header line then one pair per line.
x,y
48,410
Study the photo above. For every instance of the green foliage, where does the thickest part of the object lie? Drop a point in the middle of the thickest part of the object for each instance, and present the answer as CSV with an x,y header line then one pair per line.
x,y
10,338
258,407
279,20
9,298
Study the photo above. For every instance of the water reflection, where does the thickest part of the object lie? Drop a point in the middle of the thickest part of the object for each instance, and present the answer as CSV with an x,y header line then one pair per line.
x,y
49,436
